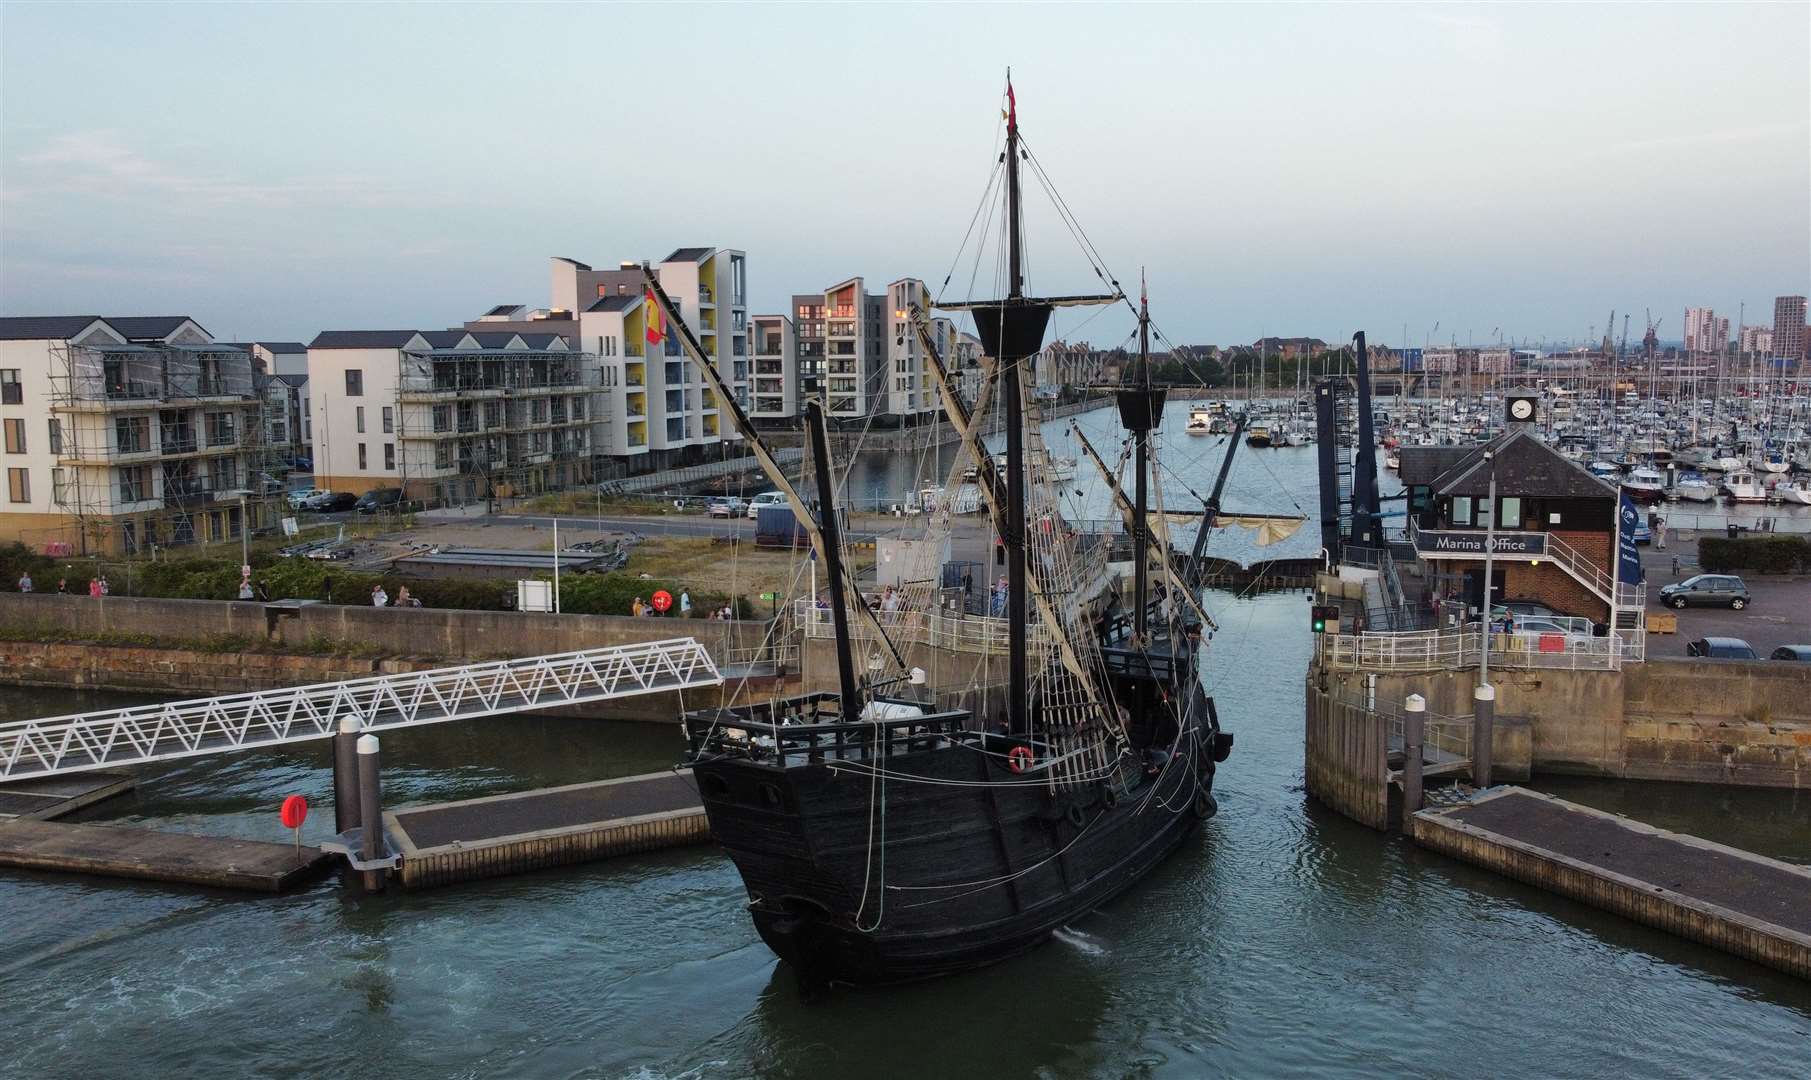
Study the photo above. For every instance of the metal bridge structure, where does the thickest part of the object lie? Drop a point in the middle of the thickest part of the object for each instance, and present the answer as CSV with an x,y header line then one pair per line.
x,y
149,733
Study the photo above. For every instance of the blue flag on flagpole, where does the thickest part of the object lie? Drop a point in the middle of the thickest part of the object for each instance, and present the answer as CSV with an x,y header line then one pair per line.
x,y
1628,556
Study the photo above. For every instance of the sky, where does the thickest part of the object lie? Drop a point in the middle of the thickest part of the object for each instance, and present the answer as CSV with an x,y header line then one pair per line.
x,y
275,170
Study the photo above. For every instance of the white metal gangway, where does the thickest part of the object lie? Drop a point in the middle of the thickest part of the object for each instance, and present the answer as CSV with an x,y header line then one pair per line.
x,y
176,729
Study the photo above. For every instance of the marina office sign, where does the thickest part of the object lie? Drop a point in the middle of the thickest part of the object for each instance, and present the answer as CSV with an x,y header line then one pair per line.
x,y
1459,545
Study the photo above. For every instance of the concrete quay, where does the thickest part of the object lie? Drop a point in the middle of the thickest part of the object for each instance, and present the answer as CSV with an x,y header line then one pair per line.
x,y
1733,900
518,833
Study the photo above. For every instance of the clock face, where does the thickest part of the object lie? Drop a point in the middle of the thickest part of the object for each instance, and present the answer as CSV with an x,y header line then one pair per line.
x,y
1521,409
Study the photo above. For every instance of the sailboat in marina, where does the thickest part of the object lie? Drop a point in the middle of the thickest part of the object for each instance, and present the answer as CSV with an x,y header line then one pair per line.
x,y
884,836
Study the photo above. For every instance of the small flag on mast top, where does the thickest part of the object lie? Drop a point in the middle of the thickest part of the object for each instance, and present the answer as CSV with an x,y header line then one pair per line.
x,y
1012,107
657,330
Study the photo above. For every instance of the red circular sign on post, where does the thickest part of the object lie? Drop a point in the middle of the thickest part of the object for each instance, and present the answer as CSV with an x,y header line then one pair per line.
x,y
662,600
295,811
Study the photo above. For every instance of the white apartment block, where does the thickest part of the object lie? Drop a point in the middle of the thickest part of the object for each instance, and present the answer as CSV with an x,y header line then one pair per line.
x,y
1756,341
774,388
911,385
122,435
855,367
453,416
1705,333
669,415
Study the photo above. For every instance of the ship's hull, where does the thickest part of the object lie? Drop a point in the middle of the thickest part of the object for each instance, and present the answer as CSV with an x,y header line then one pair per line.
x,y
967,865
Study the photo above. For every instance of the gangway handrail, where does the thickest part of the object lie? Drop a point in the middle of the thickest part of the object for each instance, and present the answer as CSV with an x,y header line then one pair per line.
x,y
148,733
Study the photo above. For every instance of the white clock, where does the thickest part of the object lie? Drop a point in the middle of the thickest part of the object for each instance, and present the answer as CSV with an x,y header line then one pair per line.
x,y
1521,409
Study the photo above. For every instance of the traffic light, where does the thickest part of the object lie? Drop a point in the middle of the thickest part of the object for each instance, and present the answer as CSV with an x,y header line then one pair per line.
x,y
1326,618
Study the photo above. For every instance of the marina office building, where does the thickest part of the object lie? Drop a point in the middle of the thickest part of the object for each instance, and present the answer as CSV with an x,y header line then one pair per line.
x,y
1556,525
127,433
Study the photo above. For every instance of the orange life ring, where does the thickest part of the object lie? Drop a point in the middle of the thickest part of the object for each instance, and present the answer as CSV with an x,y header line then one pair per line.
x,y
1019,758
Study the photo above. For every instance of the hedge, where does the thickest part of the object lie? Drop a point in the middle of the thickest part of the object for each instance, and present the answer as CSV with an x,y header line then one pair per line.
x,y
285,578
1772,554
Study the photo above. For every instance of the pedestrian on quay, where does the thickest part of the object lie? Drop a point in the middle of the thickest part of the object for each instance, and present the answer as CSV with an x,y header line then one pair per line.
x,y
685,604
379,598
727,613
63,586
104,587
25,584
327,587
1660,533
636,608
403,599
94,588
245,588
263,593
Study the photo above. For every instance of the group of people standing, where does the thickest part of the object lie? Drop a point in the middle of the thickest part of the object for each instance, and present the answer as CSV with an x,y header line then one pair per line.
x,y
97,586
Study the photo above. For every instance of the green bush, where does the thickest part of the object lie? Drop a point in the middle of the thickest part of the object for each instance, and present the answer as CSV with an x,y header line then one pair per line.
x,y
16,559
1768,554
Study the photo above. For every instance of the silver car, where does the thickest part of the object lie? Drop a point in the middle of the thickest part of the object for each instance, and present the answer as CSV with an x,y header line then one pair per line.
x,y
1706,590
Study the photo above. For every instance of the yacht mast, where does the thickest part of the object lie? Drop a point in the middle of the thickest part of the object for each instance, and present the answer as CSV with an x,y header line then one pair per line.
x,y
1018,669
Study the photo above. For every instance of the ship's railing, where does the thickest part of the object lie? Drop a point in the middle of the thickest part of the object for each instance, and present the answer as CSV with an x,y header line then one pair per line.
x,y
1454,649
942,628
810,729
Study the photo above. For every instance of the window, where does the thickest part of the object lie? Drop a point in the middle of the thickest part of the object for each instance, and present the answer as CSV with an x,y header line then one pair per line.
x,y
132,434
226,474
389,420
135,484
361,456
56,435
15,436
12,391
1512,513
359,419
1461,509
443,455
18,485
355,383
443,418
390,456
220,429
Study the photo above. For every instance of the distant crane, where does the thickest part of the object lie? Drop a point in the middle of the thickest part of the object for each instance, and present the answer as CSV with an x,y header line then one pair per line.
x,y
1650,342
1622,350
1609,328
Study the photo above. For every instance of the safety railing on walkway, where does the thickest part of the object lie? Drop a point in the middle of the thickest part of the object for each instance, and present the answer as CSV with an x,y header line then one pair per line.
x,y
1455,649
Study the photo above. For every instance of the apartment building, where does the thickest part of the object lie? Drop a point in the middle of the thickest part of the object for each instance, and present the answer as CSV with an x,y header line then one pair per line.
x,y
1756,341
775,383
1789,331
911,388
453,416
280,371
855,365
683,418
1705,333
125,434
808,347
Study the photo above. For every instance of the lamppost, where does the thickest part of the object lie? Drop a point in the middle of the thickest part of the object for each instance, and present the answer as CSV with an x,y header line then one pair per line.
x,y
1484,698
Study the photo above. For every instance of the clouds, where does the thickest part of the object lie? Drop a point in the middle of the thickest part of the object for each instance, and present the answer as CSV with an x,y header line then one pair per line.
x,y
112,165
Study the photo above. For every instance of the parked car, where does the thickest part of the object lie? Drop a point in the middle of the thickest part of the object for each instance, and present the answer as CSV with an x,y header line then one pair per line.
x,y
725,506
1706,590
1791,652
1721,648
1642,534
302,464
299,498
378,499
331,502
766,498
1522,607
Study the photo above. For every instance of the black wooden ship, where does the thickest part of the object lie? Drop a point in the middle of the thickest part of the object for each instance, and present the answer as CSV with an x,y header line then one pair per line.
x,y
883,839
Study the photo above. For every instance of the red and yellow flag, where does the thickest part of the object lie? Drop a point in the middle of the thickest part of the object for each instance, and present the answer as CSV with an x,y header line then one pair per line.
x,y
657,326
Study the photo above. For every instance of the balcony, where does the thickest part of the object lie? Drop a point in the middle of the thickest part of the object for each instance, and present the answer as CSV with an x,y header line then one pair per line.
x,y
633,347
706,296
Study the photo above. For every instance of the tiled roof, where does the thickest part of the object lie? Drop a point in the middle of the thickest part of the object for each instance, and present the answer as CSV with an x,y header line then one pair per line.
x,y
362,339
615,303
44,327
689,255
541,342
505,309
1422,464
145,327
443,339
496,340
1524,465
282,346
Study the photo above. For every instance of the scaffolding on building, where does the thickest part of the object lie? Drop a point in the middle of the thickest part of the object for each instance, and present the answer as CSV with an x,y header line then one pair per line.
x,y
482,425
158,445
